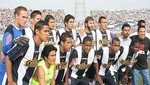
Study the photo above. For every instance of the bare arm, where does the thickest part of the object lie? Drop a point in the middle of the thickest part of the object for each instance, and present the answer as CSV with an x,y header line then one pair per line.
x,y
53,80
41,75
66,77
9,71
97,74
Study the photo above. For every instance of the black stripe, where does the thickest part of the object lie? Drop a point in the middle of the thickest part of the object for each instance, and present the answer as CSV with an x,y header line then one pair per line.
x,y
61,72
30,70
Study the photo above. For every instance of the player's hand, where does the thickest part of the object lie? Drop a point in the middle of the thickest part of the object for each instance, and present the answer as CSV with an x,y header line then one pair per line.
x,y
65,83
124,80
11,83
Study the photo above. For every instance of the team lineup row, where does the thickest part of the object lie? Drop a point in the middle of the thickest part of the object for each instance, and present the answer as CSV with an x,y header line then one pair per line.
x,y
38,55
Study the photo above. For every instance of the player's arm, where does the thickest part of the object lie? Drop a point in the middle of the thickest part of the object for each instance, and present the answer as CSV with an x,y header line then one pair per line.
x,y
98,77
66,77
7,42
9,71
98,58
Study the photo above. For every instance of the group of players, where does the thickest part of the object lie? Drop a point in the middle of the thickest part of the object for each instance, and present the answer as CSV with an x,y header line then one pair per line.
x,y
40,55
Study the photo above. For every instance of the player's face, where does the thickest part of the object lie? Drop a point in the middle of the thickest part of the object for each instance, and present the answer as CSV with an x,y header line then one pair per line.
x,y
51,57
90,25
136,47
87,46
70,24
36,19
67,44
21,18
43,33
126,32
51,24
103,24
141,33
115,46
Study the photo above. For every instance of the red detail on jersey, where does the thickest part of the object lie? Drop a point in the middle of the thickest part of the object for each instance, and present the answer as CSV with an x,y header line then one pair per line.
x,y
8,39
142,46
72,62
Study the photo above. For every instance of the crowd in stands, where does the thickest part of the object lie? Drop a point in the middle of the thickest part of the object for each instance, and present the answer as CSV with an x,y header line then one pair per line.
x,y
6,17
122,15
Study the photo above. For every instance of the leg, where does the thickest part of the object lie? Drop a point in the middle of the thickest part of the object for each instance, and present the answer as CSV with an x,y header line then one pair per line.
x,y
135,76
84,81
73,81
110,81
145,76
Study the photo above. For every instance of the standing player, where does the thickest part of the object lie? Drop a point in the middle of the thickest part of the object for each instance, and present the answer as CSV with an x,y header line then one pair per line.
x,y
13,31
51,23
35,16
103,37
69,24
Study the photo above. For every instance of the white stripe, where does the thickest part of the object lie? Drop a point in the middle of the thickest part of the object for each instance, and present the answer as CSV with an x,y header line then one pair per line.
x,y
29,55
4,79
104,60
54,35
99,37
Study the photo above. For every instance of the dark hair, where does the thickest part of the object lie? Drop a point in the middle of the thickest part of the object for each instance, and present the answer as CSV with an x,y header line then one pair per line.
x,y
140,22
48,17
34,13
100,19
18,9
64,36
139,27
135,42
125,25
89,18
47,49
115,39
68,17
87,39
39,25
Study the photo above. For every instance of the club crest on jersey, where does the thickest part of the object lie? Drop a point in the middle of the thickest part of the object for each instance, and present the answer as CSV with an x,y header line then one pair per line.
x,y
31,63
125,62
93,43
104,42
61,65
82,66
73,42
49,42
107,65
